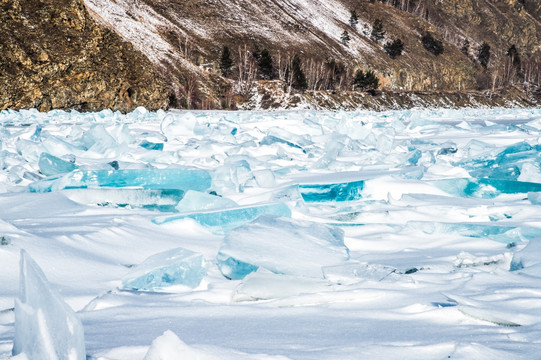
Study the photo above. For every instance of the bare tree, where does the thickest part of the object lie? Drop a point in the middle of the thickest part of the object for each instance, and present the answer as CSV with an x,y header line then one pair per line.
x,y
247,71
190,90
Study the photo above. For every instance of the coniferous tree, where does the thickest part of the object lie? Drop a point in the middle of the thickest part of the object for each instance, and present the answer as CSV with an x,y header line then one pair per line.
x,y
256,53
345,38
299,79
394,48
264,63
226,63
512,52
365,81
377,30
353,19
483,55
431,44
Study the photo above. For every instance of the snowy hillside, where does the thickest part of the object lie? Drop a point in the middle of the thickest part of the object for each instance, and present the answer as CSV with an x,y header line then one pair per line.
x,y
288,235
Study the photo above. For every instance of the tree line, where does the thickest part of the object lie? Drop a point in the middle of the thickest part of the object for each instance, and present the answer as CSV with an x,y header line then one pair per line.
x,y
247,65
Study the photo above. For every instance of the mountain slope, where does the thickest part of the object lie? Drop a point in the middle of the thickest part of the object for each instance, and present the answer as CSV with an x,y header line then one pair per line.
x,y
160,52
177,34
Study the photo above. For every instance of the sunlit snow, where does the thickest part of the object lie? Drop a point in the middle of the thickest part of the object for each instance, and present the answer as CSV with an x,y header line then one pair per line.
x,y
408,234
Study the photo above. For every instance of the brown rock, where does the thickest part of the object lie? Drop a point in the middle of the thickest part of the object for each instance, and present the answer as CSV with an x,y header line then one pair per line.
x,y
54,56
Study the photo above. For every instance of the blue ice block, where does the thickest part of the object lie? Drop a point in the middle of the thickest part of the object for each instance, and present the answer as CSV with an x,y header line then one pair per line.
x,y
234,269
414,157
151,146
486,188
173,267
222,220
505,165
182,179
332,192
51,165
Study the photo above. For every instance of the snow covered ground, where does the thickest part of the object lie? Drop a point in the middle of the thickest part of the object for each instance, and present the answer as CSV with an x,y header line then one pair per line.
x,y
395,235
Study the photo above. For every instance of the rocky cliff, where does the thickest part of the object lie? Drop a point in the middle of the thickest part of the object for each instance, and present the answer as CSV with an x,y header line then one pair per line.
x,y
53,55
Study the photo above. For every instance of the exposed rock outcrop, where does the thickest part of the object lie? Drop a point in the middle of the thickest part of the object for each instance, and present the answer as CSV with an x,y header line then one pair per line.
x,y
54,56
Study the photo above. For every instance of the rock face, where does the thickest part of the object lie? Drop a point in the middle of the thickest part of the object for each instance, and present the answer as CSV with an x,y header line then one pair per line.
x,y
54,56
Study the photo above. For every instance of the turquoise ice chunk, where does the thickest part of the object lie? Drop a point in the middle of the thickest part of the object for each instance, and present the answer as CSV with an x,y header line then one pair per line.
x,y
182,179
36,136
484,188
332,192
234,269
282,246
51,165
151,145
174,267
415,157
223,220
505,165
501,186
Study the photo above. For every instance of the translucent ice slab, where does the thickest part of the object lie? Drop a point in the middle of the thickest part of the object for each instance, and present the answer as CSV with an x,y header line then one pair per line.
x,y
198,201
51,165
354,272
332,192
182,179
500,233
153,199
265,285
485,188
222,220
282,246
46,328
173,267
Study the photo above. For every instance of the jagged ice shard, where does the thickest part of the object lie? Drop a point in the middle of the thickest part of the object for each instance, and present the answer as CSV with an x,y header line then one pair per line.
x,y
46,328
282,246
172,267
51,165
182,179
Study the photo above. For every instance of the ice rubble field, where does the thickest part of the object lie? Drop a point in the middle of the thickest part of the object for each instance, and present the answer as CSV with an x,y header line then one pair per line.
x,y
289,235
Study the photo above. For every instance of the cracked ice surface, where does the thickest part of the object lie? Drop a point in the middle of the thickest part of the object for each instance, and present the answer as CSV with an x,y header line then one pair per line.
x,y
402,234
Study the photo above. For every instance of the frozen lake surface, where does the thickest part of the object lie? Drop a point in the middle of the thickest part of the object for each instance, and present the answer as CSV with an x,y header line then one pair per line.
x,y
277,235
